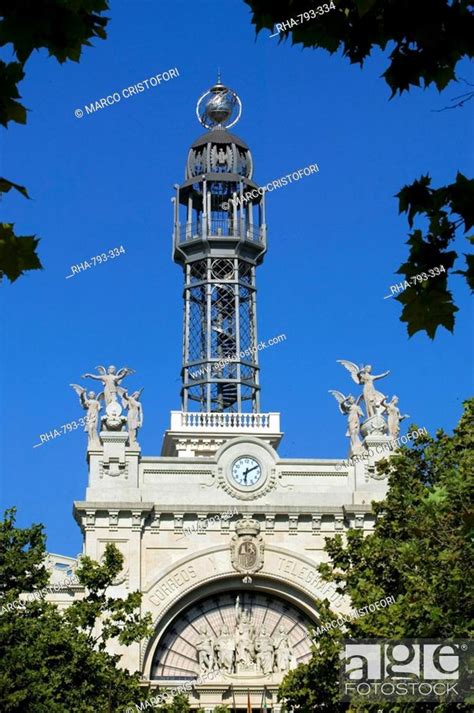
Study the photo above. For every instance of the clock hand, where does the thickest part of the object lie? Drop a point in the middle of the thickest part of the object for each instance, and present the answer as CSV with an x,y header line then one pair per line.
x,y
250,469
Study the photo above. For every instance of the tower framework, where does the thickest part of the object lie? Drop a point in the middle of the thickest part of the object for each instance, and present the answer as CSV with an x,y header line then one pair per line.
x,y
219,239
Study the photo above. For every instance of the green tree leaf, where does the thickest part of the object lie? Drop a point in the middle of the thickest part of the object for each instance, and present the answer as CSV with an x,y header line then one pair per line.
x,y
6,185
364,6
17,253
427,309
11,110
461,196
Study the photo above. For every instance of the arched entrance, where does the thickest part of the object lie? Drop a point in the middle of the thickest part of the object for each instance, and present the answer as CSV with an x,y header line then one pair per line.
x,y
231,645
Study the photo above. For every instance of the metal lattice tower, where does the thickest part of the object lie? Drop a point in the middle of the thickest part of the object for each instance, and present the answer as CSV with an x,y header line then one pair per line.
x,y
219,239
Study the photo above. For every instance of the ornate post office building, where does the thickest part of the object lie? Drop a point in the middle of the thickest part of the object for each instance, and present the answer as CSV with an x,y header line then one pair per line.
x,y
221,535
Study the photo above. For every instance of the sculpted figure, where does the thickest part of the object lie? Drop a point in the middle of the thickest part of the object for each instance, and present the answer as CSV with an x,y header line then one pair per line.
x,y
134,414
265,651
364,376
241,615
111,379
350,407
283,650
205,650
225,647
92,405
245,649
394,416
245,645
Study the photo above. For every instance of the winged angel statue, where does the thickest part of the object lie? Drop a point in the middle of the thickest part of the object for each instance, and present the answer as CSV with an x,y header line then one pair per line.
x,y
134,413
349,406
373,399
394,416
111,379
91,403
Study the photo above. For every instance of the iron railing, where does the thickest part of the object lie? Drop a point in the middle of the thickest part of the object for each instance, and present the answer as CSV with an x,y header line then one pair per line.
x,y
218,228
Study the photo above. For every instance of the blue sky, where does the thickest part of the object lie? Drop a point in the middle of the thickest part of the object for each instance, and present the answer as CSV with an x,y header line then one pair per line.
x,y
335,238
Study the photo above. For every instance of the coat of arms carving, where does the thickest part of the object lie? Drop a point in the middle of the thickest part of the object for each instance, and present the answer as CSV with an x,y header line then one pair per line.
x,y
247,548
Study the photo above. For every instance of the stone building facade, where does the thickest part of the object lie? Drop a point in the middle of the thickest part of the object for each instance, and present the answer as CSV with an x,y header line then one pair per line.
x,y
221,535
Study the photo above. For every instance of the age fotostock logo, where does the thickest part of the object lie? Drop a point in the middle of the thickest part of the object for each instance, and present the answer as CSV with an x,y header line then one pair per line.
x,y
405,670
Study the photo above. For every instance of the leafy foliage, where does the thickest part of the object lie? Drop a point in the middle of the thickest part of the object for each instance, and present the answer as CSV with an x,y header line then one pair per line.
x,y
11,75
52,661
60,26
429,304
6,185
315,686
425,40
119,618
63,28
420,553
430,36
17,253
179,704
21,557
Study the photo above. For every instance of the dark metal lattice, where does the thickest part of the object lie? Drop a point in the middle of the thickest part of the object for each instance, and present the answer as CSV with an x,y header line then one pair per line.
x,y
219,334
219,242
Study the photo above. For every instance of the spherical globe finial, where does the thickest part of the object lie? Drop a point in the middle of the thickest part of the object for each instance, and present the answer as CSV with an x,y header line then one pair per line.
x,y
219,107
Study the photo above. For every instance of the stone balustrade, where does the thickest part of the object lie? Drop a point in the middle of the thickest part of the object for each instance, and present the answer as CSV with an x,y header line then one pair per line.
x,y
247,422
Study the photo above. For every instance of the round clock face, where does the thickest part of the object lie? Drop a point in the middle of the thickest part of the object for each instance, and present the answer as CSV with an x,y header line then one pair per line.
x,y
246,471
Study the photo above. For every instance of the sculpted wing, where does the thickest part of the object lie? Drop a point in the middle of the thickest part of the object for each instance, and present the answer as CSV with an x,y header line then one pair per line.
x,y
78,389
136,395
125,371
352,368
81,392
341,400
121,391
101,369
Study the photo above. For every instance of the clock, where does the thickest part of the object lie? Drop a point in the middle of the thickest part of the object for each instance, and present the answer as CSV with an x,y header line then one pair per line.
x,y
246,471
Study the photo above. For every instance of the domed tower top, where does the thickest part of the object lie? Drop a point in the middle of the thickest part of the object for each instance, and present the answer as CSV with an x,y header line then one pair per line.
x,y
219,151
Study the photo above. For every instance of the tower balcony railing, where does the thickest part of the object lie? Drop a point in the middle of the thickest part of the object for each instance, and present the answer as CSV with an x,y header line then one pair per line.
x,y
223,421
217,228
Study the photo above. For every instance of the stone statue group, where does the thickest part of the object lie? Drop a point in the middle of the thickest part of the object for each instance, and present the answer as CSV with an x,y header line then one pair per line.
x,y
113,420
375,402
244,649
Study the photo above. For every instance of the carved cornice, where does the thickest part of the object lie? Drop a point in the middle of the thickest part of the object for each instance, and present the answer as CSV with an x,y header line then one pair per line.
x,y
313,473
86,514
180,471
